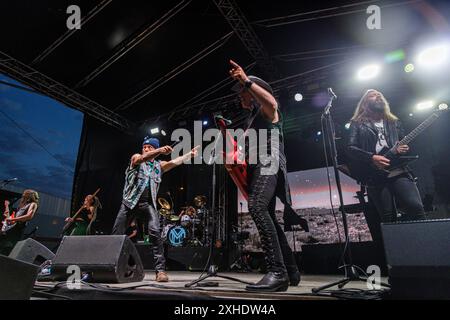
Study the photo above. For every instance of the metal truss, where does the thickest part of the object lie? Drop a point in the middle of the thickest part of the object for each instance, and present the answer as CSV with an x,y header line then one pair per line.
x,y
125,46
53,89
248,36
69,33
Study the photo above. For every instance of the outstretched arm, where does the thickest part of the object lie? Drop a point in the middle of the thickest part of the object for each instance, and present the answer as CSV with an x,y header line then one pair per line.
x,y
263,97
137,159
168,165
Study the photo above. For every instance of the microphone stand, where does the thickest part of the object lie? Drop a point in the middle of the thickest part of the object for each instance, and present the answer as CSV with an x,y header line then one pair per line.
x,y
351,273
212,268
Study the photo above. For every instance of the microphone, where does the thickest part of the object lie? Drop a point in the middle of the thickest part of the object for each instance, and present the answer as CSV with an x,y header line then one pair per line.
x,y
10,180
227,121
331,93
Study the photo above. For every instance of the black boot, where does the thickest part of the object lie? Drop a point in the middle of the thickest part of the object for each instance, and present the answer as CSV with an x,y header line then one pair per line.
x,y
294,275
271,282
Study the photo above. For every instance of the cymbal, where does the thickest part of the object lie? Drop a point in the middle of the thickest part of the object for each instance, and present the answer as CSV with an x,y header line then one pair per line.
x,y
174,218
164,212
200,201
164,203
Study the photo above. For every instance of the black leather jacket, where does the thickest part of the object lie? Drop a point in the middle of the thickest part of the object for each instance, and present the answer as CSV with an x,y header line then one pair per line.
x,y
363,138
362,142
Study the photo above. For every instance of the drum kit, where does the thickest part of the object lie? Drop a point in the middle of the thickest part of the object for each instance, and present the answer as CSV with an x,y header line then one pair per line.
x,y
189,227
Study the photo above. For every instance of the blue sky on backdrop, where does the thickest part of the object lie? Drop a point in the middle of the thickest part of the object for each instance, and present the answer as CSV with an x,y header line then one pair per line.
x,y
46,165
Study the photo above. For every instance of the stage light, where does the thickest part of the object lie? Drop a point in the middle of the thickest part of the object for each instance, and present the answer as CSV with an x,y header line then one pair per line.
x,y
394,56
368,72
434,56
163,133
154,130
411,114
319,133
298,97
347,125
205,122
424,105
409,68
443,106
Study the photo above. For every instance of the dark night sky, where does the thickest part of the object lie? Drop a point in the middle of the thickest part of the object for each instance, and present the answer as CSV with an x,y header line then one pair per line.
x,y
48,168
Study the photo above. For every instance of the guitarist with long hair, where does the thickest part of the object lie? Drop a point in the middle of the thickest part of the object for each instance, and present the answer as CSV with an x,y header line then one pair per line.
x,y
14,224
374,129
82,222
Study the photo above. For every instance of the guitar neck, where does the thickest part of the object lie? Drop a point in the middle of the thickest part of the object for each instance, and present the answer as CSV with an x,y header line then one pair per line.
x,y
413,134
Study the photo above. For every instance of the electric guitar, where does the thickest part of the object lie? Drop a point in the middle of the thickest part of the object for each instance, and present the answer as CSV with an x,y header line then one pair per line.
x,y
238,169
397,161
5,226
68,226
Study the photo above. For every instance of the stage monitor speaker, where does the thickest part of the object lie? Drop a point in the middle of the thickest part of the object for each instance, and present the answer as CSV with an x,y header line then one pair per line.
x,y
17,279
107,259
31,251
418,258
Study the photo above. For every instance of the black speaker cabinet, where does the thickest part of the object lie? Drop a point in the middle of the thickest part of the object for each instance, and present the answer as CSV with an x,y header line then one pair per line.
x,y
31,251
17,279
108,259
418,257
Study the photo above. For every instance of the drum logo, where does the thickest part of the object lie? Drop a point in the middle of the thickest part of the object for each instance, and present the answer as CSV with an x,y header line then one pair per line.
x,y
176,236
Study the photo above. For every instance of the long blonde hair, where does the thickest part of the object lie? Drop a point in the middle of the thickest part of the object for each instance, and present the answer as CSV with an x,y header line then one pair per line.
x,y
29,196
362,112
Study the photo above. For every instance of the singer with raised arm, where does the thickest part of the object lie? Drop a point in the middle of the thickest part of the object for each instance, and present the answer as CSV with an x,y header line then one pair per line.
x,y
374,128
14,224
142,181
256,96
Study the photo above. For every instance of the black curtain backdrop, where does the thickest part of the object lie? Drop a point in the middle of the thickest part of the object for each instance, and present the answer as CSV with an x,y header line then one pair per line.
x,y
103,156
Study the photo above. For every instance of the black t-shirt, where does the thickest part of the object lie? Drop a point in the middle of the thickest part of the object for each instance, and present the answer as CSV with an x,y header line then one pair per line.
x,y
145,197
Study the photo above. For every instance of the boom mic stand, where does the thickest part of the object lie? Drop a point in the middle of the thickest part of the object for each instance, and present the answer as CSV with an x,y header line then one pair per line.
x,y
212,268
351,273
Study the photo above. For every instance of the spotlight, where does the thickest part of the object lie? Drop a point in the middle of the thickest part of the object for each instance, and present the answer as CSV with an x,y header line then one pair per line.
x,y
443,106
424,105
205,122
409,68
154,130
319,133
411,114
347,125
368,72
298,97
433,56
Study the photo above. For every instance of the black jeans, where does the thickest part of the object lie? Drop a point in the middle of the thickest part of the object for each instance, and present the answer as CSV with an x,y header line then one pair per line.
x,y
400,191
263,190
147,212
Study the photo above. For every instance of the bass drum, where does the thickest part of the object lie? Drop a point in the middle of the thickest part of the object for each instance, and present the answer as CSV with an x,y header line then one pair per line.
x,y
177,236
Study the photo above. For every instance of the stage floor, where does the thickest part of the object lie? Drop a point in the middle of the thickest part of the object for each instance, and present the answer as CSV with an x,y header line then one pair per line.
x,y
226,289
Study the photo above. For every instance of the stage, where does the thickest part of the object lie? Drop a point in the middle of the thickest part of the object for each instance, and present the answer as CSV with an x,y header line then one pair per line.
x,y
226,289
